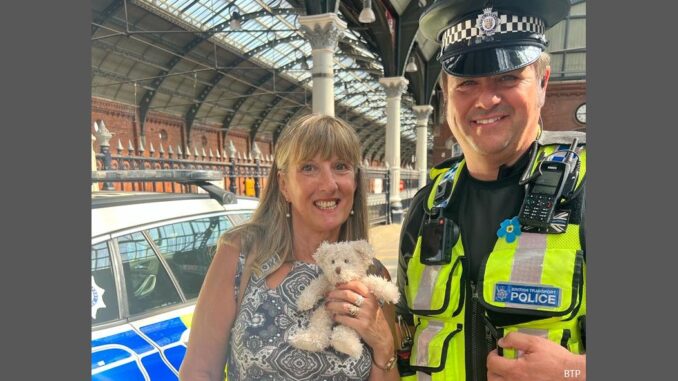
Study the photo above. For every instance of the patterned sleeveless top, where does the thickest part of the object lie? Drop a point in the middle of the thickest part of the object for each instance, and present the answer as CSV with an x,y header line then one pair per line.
x,y
267,317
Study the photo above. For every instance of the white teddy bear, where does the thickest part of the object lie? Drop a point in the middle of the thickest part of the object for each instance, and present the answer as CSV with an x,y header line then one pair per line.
x,y
340,262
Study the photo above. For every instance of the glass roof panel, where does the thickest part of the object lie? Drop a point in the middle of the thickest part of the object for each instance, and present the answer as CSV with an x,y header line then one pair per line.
x,y
260,31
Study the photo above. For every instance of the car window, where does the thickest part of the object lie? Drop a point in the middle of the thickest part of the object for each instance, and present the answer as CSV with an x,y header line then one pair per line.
x,y
188,248
240,218
148,284
104,295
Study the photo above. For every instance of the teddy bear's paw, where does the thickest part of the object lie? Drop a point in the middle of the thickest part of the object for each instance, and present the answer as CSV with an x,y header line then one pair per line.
x,y
384,290
390,294
305,303
308,342
346,340
350,347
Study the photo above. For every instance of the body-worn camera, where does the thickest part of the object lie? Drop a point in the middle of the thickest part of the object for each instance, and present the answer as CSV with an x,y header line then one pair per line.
x,y
438,236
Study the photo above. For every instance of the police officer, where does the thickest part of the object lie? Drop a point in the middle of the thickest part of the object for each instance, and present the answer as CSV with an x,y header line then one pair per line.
x,y
492,256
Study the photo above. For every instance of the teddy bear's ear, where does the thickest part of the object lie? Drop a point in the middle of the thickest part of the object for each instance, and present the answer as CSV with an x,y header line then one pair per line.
x,y
322,249
364,249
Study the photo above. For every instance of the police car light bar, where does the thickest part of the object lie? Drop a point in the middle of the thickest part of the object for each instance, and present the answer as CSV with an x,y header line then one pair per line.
x,y
198,177
178,175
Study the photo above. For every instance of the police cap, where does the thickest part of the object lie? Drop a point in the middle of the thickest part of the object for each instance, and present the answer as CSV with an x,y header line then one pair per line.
x,y
481,38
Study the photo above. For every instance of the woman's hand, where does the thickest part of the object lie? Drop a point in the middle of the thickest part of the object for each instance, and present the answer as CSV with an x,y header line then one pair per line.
x,y
354,306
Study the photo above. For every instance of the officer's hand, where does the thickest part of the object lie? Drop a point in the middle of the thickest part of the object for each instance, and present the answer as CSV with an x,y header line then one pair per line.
x,y
540,359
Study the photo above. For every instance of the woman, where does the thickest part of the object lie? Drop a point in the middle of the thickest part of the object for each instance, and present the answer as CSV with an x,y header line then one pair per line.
x,y
315,193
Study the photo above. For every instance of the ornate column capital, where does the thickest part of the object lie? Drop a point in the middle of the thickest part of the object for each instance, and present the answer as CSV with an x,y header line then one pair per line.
x,y
322,31
422,112
394,86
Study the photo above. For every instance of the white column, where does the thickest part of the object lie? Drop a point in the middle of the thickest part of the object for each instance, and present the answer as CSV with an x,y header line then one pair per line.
x,y
394,87
422,113
323,32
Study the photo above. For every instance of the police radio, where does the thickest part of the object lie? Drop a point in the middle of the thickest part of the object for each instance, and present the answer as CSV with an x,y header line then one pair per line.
x,y
554,180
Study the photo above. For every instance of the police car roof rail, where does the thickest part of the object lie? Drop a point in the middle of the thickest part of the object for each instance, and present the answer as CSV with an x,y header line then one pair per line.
x,y
199,177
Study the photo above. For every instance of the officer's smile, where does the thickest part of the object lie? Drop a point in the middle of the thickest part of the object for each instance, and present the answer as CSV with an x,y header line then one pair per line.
x,y
488,121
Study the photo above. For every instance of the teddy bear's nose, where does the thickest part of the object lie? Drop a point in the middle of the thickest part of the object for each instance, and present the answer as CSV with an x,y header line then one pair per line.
x,y
337,270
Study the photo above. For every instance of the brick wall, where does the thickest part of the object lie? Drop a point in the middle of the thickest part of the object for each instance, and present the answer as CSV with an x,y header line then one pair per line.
x,y
562,99
157,124
240,141
120,120
204,138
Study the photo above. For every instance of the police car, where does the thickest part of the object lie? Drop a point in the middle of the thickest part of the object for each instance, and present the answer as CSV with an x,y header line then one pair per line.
x,y
150,254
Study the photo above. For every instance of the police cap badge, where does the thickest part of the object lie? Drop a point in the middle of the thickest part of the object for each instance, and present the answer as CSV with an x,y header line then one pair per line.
x,y
480,38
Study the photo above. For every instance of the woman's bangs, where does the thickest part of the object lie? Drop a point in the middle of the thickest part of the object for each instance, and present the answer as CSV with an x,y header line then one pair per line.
x,y
327,140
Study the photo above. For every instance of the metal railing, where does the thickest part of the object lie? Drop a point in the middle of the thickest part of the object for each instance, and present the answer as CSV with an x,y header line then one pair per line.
x,y
244,174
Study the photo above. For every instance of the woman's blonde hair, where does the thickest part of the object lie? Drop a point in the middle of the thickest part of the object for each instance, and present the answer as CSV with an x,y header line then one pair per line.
x,y
269,233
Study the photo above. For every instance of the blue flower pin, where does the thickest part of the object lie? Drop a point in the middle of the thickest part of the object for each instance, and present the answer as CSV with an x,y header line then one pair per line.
x,y
509,229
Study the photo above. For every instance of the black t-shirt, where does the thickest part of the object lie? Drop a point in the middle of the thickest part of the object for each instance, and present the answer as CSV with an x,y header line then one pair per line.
x,y
480,206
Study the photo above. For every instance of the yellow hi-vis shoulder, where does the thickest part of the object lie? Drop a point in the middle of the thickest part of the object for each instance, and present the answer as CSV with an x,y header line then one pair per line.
x,y
538,276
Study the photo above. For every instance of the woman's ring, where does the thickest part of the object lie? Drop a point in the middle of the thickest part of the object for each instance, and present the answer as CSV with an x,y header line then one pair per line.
x,y
353,311
359,300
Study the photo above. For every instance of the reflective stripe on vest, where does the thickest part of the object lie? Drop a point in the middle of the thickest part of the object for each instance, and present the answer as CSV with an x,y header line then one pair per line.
x,y
429,278
529,259
434,340
421,357
535,332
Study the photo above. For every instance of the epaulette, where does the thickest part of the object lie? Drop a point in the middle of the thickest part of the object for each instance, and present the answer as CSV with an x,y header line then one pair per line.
x,y
443,166
561,137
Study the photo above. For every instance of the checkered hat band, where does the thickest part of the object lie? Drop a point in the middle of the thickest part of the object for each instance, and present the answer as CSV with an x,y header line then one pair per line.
x,y
467,30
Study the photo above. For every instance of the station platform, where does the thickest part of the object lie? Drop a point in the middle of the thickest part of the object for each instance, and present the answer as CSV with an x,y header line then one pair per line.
x,y
385,240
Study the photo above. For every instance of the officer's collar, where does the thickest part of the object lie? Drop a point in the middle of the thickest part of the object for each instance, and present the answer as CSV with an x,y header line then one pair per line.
x,y
517,168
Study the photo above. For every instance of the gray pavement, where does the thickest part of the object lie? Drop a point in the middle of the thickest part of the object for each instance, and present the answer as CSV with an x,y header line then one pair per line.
x,y
385,240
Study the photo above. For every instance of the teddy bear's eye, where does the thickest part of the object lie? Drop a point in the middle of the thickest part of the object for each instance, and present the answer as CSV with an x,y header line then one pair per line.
x,y
345,260
333,261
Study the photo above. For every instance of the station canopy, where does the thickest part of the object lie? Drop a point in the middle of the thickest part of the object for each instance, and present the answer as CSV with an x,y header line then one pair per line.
x,y
241,65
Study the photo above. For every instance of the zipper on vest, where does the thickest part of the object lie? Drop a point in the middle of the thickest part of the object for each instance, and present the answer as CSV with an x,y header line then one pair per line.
x,y
476,365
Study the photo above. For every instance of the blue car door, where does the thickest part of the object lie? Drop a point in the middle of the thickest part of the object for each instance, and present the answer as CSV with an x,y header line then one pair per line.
x,y
169,332
119,350
121,353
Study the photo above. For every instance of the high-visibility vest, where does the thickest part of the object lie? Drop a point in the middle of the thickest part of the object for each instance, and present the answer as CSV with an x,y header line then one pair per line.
x,y
538,276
